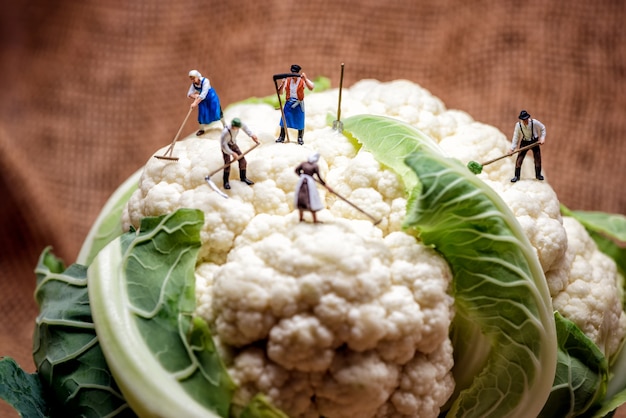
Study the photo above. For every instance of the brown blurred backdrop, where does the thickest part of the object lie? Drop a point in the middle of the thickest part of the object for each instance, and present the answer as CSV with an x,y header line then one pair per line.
x,y
89,89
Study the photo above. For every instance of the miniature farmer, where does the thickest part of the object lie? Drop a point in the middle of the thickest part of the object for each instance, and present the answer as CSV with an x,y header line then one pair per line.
x,y
230,148
294,102
528,131
205,98
306,195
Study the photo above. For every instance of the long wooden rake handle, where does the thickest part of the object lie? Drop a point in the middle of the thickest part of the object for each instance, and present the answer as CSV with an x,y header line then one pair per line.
x,y
514,152
374,220
170,149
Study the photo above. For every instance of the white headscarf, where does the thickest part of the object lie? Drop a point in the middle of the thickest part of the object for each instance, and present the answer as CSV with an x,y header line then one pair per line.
x,y
314,157
195,73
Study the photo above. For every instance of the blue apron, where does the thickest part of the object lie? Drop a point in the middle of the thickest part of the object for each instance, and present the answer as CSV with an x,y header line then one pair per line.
x,y
209,109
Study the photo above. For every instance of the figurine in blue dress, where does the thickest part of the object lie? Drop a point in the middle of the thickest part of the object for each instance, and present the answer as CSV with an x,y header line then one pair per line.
x,y
205,98
294,102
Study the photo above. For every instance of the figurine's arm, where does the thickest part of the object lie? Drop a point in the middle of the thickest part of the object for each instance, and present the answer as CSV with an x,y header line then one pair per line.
x,y
192,93
206,85
542,131
281,87
317,171
249,133
309,84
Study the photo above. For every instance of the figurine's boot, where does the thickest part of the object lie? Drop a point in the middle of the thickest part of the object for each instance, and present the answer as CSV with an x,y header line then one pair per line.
x,y
538,173
281,137
300,136
226,176
518,170
242,177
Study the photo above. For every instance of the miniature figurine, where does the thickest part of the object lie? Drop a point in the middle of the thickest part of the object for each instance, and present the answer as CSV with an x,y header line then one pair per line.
x,y
531,132
306,195
229,147
205,98
294,103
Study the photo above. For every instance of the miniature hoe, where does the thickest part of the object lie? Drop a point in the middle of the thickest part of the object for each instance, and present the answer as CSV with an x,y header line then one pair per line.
x,y
477,168
213,185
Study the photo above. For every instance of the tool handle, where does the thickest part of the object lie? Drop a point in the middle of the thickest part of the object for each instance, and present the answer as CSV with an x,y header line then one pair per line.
x,y
376,221
285,75
340,88
514,152
170,149
236,159
280,105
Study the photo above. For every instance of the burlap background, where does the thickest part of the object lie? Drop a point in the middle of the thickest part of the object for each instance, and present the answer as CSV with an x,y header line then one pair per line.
x,y
89,89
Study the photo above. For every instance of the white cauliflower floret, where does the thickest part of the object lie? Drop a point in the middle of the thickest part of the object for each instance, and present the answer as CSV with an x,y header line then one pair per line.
x,y
592,296
356,384
254,373
344,318
336,300
537,209
420,391
165,187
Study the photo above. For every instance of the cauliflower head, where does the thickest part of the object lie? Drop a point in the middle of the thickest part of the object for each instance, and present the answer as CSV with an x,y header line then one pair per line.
x,y
343,317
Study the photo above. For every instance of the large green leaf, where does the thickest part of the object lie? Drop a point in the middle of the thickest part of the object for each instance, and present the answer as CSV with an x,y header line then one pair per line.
x,y
390,141
608,230
260,407
66,349
23,391
142,290
581,373
499,286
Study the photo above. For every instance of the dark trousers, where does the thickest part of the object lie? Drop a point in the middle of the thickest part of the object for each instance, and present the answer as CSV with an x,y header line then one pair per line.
x,y
536,154
227,158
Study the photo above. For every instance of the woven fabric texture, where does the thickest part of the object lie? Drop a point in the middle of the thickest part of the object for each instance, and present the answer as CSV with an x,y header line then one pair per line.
x,y
91,89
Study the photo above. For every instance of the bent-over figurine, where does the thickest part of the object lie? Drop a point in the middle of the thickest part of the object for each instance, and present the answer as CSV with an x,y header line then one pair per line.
x,y
530,131
205,98
306,195
230,148
294,103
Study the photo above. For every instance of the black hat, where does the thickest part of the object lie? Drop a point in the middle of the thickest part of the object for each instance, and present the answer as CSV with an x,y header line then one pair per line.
x,y
295,68
523,115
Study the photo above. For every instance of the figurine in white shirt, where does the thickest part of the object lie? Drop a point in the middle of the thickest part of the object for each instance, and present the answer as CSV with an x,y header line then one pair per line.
x,y
528,131
205,98
230,148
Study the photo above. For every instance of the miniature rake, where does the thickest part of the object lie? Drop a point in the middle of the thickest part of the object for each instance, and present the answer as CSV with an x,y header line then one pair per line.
x,y
477,168
168,153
